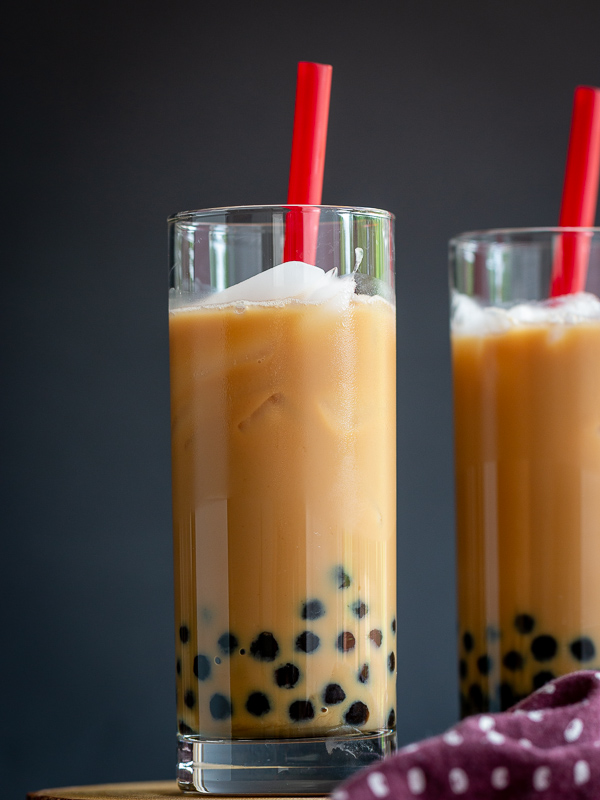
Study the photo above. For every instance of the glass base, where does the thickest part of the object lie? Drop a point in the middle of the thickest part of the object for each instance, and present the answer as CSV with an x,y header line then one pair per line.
x,y
276,766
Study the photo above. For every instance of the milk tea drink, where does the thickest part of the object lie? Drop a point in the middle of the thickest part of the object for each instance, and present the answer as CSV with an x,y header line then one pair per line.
x,y
283,474
527,456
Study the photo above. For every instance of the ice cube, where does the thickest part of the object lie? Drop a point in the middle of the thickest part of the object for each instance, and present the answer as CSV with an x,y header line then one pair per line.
x,y
293,279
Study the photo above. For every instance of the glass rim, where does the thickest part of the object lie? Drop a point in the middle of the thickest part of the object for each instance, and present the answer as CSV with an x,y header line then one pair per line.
x,y
491,234
194,214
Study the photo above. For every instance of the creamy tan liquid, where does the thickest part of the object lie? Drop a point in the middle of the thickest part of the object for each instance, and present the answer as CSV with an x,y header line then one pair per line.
x,y
527,450
283,451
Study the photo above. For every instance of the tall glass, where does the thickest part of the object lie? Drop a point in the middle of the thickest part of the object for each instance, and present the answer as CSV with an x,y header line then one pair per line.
x,y
284,487
526,376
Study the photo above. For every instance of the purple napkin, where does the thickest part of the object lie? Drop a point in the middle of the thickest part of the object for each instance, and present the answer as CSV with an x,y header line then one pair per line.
x,y
546,747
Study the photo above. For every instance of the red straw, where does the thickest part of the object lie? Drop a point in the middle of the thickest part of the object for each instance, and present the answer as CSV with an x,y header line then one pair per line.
x,y
313,90
580,193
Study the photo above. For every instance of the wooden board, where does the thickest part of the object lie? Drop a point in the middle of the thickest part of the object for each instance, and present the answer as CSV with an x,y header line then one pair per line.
x,y
152,790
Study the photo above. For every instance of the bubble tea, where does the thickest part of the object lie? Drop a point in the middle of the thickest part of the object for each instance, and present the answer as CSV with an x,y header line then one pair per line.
x,y
283,453
526,375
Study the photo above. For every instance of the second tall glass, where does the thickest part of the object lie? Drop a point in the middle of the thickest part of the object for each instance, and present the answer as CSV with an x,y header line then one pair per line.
x,y
284,485
526,375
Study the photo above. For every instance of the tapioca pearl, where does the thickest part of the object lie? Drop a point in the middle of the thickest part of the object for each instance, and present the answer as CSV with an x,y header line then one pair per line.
x,y
363,675
227,643
484,664
359,609
463,669
542,778
500,778
333,694
184,729
287,676
476,697
345,641
391,720
376,636
184,634
301,710
307,642
178,666
541,678
377,783
391,661
357,714
581,772
465,706
242,652
264,647
468,641
492,634
416,781
507,696
573,730
394,625
341,578
220,707
524,623
217,660
189,698
544,647
458,780
312,609
583,649
258,704
513,660
202,667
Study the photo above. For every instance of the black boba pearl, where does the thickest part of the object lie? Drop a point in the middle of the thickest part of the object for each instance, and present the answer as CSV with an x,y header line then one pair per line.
x,y
220,706
359,609
484,664
264,647
507,696
178,666
287,676
544,647
258,704
476,697
468,642
357,714
465,707
394,625
583,649
463,669
227,643
346,641
363,675
307,642
513,660
312,609
342,578
201,667
492,633
391,720
184,633
391,662
333,694
189,698
301,710
524,623
376,637
185,729
542,678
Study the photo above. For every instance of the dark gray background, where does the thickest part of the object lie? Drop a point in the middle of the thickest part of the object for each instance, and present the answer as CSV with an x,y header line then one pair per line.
x,y
452,115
